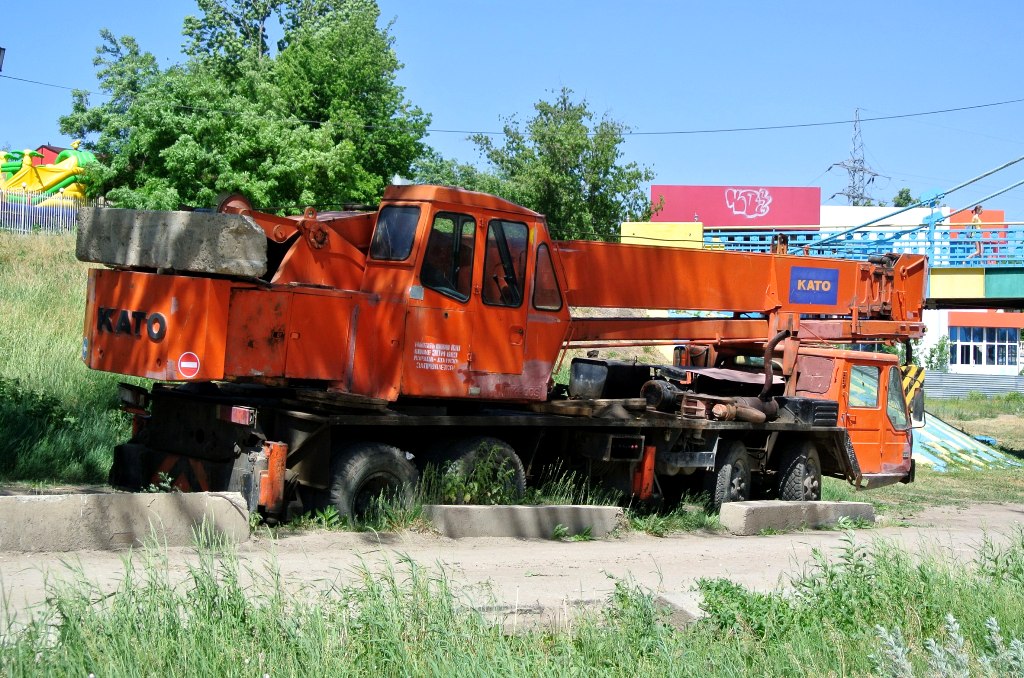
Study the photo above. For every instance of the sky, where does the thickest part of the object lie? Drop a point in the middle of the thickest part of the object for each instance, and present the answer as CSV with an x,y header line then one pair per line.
x,y
656,67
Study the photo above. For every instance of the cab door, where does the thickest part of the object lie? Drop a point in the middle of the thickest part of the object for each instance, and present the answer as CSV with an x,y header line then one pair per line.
x,y
896,435
499,333
865,413
440,317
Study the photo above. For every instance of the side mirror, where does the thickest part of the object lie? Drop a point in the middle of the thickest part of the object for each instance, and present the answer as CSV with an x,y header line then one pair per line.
x,y
917,413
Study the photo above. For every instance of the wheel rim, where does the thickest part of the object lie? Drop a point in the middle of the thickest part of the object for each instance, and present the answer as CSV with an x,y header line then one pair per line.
x,y
811,482
739,487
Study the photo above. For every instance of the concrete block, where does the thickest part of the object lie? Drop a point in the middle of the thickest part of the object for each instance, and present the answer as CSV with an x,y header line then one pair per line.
x,y
524,522
683,608
201,242
73,522
754,517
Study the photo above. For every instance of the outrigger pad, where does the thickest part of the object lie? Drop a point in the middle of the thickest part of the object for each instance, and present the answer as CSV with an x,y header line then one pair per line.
x,y
198,242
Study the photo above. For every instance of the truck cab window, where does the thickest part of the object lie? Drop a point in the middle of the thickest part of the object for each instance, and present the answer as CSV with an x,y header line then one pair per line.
x,y
546,296
863,386
896,405
448,261
395,233
504,263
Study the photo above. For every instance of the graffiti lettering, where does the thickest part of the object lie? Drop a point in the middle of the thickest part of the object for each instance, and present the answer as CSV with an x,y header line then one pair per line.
x,y
748,202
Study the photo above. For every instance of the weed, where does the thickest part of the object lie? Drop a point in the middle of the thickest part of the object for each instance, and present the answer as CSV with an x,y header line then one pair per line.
x,y
847,523
560,532
686,517
583,535
164,483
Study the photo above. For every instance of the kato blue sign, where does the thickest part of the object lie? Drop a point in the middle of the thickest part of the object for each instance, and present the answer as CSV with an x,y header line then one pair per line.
x,y
813,285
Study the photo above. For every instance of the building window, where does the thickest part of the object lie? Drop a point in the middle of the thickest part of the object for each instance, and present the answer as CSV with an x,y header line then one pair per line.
x,y
983,346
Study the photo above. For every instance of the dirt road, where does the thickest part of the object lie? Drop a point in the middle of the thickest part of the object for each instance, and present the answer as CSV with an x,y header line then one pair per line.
x,y
537,577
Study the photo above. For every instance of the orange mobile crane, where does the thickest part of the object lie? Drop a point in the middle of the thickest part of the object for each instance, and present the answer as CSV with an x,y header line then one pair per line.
x,y
324,358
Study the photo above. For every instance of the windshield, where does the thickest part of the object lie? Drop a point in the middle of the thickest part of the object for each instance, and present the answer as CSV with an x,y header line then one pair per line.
x,y
395,233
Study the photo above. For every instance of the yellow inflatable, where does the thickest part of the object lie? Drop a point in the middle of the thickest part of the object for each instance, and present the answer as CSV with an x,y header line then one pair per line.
x,y
51,184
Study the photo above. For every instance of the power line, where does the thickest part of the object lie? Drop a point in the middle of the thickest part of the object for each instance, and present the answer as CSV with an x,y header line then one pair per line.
x,y
834,122
719,130
39,82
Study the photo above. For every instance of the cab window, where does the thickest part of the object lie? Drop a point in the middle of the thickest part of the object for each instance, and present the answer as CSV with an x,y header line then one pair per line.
x,y
448,260
504,263
864,386
395,233
896,406
546,296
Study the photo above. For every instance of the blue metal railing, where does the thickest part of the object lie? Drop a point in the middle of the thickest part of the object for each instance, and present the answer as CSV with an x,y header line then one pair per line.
x,y
945,246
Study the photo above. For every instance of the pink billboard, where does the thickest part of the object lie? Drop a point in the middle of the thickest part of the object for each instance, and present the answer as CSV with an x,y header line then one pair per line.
x,y
739,205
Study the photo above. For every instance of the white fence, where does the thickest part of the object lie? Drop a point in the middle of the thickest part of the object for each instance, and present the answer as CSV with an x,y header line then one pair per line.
x,y
27,212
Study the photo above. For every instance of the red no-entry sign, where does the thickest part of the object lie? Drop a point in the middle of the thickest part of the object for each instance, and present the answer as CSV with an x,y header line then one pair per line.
x,y
188,365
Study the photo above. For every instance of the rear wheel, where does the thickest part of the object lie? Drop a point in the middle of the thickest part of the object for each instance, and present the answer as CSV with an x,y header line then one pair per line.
x,y
799,476
731,479
482,470
362,474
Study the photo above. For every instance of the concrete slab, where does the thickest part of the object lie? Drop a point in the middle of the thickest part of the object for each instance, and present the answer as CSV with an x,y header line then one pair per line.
x,y
73,522
524,522
755,517
201,242
683,608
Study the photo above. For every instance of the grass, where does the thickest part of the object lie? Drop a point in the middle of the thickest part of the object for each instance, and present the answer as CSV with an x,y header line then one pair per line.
x,y
60,419
688,516
932,488
997,416
976,406
858,611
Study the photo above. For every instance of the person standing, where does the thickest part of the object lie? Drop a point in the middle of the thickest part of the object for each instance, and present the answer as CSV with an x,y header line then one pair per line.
x,y
974,232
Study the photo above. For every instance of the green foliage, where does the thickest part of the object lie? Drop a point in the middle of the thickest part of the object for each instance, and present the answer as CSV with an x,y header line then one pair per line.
x,y
321,122
937,358
689,516
485,480
977,405
163,484
863,611
903,198
568,167
60,420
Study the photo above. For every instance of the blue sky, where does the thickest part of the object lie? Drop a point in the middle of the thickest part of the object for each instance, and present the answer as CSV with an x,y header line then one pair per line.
x,y
656,66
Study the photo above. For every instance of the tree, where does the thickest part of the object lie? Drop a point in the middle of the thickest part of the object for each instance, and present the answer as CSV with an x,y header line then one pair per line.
x,y
432,168
937,359
566,166
903,198
320,123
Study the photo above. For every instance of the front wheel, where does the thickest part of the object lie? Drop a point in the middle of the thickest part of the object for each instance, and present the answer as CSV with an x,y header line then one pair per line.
x,y
731,479
364,474
799,476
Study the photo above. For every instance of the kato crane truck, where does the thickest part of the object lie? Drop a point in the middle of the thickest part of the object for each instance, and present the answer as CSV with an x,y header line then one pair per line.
x,y
322,359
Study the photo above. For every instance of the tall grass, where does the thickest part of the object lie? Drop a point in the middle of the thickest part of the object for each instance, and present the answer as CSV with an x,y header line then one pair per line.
x,y
977,405
58,419
863,611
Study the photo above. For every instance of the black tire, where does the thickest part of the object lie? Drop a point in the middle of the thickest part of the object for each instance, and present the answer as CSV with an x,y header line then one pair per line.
x,y
362,472
730,480
464,456
799,474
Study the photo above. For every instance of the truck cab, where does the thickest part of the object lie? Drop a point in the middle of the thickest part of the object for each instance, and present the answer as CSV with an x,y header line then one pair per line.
x,y
872,406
